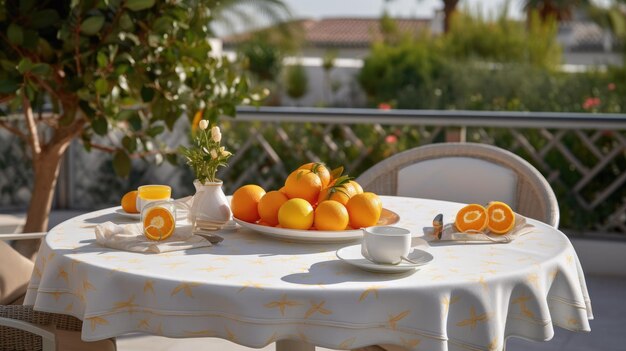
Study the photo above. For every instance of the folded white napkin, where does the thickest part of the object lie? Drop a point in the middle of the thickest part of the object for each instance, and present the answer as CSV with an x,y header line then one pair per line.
x,y
521,227
129,237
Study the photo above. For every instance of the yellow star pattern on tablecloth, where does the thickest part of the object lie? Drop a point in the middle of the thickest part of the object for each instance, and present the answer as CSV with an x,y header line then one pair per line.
x,y
126,304
346,344
144,323
88,286
533,278
410,343
317,308
184,287
473,319
394,319
521,300
447,302
148,286
209,269
250,284
95,321
282,304
372,289
197,333
63,274
230,335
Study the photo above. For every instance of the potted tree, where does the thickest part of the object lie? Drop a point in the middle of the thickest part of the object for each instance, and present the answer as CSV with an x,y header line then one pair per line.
x,y
87,69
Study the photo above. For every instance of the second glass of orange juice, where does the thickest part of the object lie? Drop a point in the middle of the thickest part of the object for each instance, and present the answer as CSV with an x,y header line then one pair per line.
x,y
148,193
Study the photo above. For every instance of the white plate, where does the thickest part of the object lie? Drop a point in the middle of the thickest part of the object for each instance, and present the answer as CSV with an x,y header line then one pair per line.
x,y
135,216
352,255
387,217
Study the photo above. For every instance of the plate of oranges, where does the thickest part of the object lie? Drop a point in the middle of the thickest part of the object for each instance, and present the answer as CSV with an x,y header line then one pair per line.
x,y
314,205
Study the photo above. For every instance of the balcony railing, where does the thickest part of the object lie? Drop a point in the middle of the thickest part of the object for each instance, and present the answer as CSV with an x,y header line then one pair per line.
x,y
583,156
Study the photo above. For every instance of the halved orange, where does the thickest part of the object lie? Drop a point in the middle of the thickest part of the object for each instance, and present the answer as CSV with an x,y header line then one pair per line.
x,y
472,217
158,223
501,217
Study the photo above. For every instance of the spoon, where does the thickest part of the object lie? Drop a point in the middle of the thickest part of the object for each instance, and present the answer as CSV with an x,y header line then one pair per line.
x,y
408,260
212,238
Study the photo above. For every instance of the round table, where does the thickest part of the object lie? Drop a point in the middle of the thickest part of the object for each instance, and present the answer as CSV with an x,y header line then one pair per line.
x,y
255,290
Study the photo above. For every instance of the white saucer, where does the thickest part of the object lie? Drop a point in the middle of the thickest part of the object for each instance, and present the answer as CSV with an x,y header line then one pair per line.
x,y
352,255
135,216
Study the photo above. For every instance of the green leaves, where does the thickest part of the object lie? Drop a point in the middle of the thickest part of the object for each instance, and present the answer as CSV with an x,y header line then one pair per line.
x,y
135,67
121,163
24,65
102,86
337,172
138,5
8,86
15,34
155,130
129,143
92,25
147,94
44,18
100,125
102,60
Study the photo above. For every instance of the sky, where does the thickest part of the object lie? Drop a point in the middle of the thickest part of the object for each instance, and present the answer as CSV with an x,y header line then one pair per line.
x,y
396,8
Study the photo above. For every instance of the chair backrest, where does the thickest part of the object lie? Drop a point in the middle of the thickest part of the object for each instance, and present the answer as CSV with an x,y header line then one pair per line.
x,y
467,173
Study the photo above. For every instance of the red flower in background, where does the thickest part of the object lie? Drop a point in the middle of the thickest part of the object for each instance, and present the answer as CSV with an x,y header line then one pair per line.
x,y
391,139
611,86
384,106
591,103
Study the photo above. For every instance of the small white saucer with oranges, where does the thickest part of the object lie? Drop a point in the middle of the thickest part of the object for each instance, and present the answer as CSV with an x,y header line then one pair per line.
x,y
314,205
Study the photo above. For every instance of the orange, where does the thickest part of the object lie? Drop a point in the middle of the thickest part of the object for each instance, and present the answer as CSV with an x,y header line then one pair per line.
x,y
319,169
296,214
245,202
472,217
357,187
158,223
340,193
269,205
331,215
129,202
303,184
501,217
364,210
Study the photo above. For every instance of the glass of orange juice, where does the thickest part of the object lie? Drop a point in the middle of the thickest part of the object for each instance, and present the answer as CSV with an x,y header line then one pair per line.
x,y
149,193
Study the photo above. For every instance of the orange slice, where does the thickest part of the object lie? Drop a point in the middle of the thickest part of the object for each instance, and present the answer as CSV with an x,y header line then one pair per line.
x,y
470,218
501,217
158,223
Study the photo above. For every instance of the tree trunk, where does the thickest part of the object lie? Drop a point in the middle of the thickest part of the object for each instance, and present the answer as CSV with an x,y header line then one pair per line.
x,y
449,6
46,169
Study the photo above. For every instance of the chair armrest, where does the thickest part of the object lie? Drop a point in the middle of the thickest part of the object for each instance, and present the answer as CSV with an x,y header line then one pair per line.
x,y
48,338
22,236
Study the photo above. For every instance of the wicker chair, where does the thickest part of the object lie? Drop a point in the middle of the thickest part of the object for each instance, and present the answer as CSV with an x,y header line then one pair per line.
x,y
22,328
465,172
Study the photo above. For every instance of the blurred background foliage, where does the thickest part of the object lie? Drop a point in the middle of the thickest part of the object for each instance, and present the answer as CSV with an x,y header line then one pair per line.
x,y
495,64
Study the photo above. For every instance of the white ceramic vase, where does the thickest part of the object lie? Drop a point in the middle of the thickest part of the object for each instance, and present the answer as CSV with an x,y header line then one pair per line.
x,y
209,204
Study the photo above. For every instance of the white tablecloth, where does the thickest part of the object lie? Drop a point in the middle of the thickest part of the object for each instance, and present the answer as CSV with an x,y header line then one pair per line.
x,y
254,290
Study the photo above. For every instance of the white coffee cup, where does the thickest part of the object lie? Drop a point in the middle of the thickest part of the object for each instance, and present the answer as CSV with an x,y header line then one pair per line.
x,y
385,244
